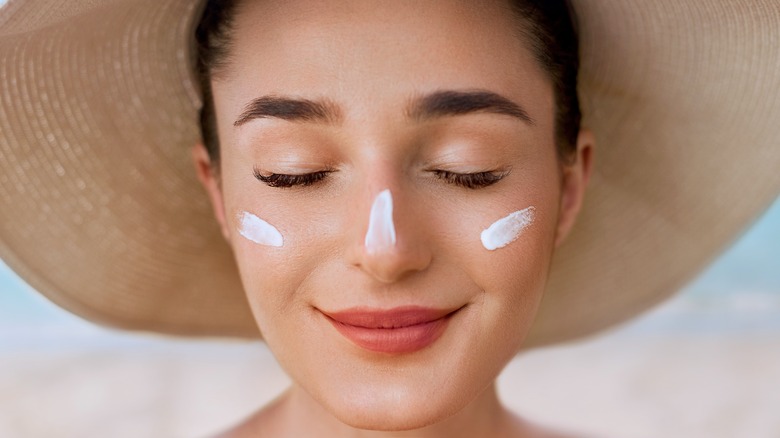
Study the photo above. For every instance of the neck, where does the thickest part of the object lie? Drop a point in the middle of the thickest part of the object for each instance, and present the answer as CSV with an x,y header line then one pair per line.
x,y
296,414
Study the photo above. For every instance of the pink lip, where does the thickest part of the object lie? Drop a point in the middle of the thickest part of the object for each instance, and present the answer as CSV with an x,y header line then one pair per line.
x,y
398,330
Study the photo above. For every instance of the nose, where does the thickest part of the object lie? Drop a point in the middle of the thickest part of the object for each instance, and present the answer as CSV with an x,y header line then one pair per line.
x,y
380,235
393,247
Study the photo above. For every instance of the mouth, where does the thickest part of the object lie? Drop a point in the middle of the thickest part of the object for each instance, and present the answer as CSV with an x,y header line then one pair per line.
x,y
394,331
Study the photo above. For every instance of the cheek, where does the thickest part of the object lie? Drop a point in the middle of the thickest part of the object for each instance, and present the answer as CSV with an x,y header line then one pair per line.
x,y
512,278
275,270
514,281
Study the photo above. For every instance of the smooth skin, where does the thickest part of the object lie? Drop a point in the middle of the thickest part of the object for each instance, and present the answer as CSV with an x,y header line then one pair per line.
x,y
369,61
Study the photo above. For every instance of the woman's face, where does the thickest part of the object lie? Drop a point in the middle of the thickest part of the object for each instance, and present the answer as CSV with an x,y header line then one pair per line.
x,y
400,318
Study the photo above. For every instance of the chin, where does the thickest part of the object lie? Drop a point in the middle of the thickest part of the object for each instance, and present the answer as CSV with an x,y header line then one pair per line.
x,y
387,419
391,410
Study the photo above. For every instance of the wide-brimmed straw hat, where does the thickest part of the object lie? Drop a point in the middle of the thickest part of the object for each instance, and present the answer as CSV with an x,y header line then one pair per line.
x,y
101,211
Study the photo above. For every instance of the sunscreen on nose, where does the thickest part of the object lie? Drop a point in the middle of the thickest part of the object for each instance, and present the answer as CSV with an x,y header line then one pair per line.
x,y
507,229
381,230
259,231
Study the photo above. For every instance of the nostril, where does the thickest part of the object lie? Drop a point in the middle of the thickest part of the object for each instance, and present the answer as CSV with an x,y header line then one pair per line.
x,y
381,229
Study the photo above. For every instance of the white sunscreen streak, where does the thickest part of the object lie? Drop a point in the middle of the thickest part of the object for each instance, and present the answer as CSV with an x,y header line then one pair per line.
x,y
506,230
259,231
381,230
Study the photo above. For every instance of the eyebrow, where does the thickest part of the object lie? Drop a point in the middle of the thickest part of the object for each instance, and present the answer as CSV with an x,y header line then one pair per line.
x,y
292,109
426,107
453,103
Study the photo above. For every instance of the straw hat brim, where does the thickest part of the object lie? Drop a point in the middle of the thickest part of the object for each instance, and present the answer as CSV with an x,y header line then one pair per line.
x,y
102,213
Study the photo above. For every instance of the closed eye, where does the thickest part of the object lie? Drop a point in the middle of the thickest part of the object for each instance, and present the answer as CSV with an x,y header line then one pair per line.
x,y
282,180
475,180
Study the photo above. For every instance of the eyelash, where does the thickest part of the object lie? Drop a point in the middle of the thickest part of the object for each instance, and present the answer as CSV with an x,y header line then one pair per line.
x,y
472,181
284,181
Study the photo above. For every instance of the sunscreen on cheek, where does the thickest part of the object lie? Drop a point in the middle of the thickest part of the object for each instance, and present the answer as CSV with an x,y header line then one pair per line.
x,y
381,229
258,230
507,229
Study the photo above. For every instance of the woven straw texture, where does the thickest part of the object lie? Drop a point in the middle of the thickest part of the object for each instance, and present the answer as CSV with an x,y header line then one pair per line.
x,y
101,212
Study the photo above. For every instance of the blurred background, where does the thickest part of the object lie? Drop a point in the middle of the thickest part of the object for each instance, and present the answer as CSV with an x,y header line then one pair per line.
x,y
704,364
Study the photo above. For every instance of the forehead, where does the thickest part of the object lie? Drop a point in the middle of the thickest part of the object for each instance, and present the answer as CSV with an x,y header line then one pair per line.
x,y
355,48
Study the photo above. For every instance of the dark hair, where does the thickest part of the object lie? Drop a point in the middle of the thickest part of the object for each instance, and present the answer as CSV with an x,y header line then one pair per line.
x,y
549,25
213,38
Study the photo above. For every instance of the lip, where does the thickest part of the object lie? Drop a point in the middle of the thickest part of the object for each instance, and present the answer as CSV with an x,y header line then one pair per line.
x,y
395,331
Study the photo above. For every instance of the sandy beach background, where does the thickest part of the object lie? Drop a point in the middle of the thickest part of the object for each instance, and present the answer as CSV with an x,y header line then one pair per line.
x,y
704,364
